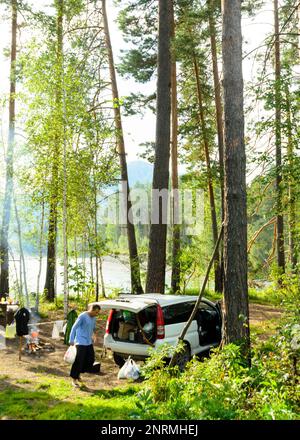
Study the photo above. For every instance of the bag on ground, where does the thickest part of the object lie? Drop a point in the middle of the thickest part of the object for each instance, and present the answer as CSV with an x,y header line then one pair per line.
x,y
57,329
130,370
70,354
10,331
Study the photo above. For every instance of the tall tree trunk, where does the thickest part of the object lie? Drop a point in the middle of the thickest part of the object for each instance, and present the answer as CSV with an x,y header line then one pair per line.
x,y
22,258
19,288
83,256
37,301
4,251
217,266
299,30
96,240
91,260
132,244
292,185
235,230
280,222
61,76
97,275
101,276
50,285
175,277
158,232
99,268
219,117
76,263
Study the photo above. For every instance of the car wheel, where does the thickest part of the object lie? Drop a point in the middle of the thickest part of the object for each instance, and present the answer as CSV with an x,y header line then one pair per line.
x,y
183,357
118,360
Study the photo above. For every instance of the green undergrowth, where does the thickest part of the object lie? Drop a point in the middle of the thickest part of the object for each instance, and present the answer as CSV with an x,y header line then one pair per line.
x,y
268,296
224,386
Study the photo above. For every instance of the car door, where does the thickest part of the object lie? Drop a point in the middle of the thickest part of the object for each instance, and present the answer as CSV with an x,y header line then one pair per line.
x,y
175,317
209,319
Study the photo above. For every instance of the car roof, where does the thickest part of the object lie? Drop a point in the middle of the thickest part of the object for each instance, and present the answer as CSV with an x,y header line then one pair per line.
x,y
164,300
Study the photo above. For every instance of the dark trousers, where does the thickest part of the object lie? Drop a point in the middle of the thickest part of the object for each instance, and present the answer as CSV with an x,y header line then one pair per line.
x,y
84,361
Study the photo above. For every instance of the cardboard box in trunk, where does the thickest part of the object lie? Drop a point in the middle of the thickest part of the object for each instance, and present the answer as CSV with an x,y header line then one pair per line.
x,y
124,329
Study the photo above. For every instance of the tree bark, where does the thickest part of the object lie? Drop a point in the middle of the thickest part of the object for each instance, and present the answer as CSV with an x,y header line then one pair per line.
x,y
37,302
235,228
101,277
132,244
91,260
217,266
22,258
175,277
96,240
280,222
219,118
299,30
60,41
50,287
292,186
4,251
19,287
158,232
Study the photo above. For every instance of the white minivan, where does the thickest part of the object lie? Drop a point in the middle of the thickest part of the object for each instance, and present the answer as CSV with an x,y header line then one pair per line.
x,y
138,322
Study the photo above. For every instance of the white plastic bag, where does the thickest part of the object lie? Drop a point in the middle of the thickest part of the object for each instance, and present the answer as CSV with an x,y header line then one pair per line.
x,y
55,332
57,329
2,338
70,354
130,370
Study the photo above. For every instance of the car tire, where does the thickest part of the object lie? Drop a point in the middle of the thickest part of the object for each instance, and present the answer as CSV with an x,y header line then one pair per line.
x,y
183,357
119,360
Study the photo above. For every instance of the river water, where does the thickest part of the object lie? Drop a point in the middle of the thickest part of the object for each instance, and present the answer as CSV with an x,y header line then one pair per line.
x,y
116,274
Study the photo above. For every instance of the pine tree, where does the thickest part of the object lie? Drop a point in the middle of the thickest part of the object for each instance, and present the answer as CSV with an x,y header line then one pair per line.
x,y
132,244
235,231
158,232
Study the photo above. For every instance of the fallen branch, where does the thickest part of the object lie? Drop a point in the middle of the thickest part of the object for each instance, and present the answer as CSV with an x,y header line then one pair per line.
x,y
185,329
257,233
273,250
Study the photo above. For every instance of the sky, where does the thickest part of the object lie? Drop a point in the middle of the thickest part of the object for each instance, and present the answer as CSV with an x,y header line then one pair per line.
x,y
138,129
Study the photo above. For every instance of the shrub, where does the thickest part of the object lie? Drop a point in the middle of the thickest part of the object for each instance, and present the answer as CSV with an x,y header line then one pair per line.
x,y
223,387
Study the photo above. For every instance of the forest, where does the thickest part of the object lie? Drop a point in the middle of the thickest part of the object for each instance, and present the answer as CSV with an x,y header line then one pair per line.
x,y
152,147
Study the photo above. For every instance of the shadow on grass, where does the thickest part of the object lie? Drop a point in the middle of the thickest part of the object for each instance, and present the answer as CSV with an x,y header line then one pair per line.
x,y
48,370
17,403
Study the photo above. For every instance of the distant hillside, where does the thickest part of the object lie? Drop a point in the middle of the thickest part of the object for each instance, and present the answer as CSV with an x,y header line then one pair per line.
x,y
139,171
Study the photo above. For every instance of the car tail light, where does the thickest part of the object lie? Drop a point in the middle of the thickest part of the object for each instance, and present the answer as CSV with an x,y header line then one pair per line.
x,y
109,321
160,323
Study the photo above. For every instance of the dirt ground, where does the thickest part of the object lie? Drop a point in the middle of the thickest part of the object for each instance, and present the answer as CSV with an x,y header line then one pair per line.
x,y
260,313
52,363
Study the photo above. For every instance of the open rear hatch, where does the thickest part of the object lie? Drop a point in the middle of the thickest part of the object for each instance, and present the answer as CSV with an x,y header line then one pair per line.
x,y
131,319
131,304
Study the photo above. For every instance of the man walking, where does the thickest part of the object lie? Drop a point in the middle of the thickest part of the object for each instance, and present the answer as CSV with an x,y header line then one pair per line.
x,y
82,336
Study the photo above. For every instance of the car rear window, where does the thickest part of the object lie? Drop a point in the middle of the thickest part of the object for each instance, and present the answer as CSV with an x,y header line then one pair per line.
x,y
177,313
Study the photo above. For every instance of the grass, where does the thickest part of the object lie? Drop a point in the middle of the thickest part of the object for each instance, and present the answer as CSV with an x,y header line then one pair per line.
x,y
47,309
22,381
55,399
264,328
3,377
266,296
